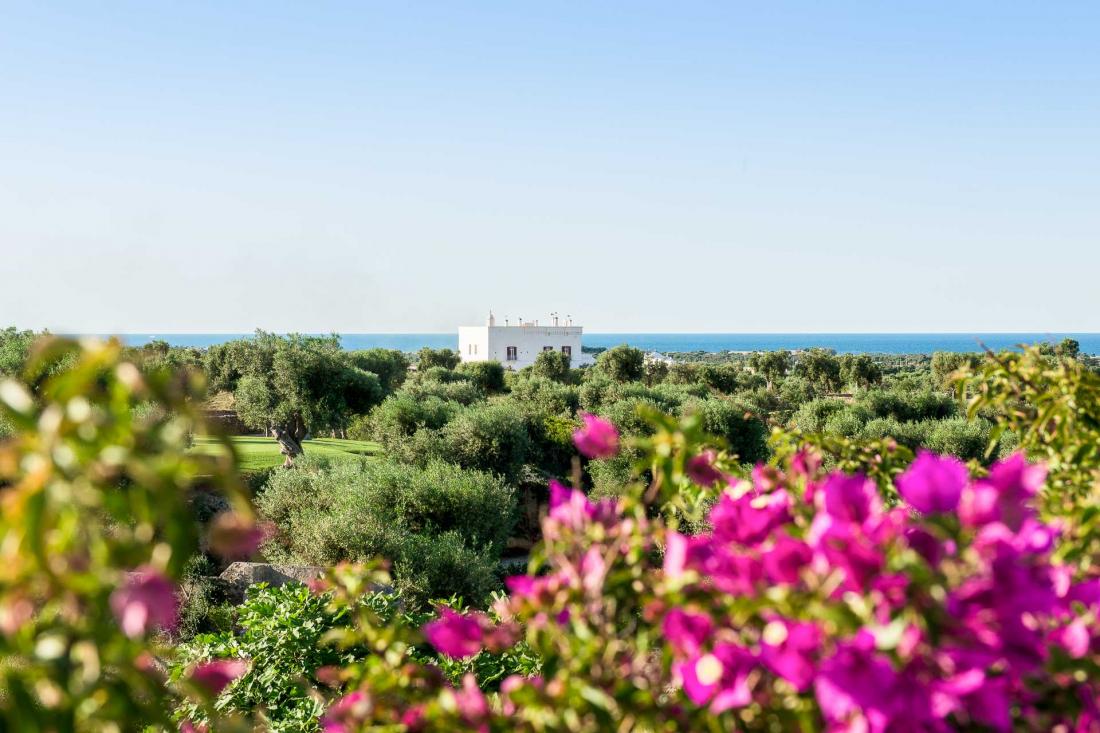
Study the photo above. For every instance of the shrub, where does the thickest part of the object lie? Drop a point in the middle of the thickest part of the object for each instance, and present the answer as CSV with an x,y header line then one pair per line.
x,y
489,437
282,630
733,421
201,609
404,413
622,363
332,511
611,476
552,365
390,366
545,395
812,416
336,510
959,437
847,421
427,358
447,564
807,605
458,389
487,375
910,434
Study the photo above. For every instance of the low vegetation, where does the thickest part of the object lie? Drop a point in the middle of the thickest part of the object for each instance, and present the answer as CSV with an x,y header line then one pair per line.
x,y
766,542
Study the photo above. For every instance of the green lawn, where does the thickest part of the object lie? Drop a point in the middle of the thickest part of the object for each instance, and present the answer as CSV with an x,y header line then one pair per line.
x,y
257,453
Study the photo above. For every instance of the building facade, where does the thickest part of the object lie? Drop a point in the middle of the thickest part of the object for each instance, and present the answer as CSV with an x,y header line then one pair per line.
x,y
517,346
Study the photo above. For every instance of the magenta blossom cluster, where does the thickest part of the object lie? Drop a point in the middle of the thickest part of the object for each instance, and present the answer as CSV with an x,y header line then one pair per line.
x,y
809,603
964,617
597,438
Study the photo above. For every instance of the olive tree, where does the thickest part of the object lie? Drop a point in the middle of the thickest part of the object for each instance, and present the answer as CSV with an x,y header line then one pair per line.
x,y
297,385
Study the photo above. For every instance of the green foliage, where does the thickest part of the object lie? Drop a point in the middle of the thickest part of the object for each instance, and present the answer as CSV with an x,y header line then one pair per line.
x,y
290,628
552,365
820,368
947,364
1052,406
328,512
967,439
302,384
160,355
656,371
724,378
402,415
447,564
201,609
389,365
90,494
812,416
15,345
622,363
455,388
489,437
744,434
859,370
487,375
281,630
545,395
427,358
772,365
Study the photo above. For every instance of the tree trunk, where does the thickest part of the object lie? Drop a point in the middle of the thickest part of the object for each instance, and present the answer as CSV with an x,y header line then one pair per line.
x,y
290,439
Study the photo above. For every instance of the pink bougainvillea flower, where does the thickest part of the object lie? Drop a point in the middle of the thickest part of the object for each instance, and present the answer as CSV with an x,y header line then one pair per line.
x,y
571,508
984,699
805,463
1004,496
925,544
145,602
512,684
856,685
701,469
568,507
597,438
766,478
454,634
215,675
783,563
851,498
933,484
790,649
687,631
470,703
344,715
845,546
593,571
1074,638
677,547
234,536
719,678
749,519
523,586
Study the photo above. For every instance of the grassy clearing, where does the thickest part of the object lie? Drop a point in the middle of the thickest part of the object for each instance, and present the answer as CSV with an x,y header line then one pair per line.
x,y
257,453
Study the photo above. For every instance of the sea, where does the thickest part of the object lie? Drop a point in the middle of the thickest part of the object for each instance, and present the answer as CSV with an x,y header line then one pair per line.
x,y
667,343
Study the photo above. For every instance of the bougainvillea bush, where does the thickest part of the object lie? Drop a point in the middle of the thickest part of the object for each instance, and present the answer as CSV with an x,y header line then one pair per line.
x,y
808,605
795,597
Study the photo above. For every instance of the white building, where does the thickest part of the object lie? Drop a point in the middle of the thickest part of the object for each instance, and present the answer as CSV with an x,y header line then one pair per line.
x,y
517,346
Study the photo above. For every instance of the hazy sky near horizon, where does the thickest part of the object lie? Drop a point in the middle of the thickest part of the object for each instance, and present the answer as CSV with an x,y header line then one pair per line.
x,y
726,166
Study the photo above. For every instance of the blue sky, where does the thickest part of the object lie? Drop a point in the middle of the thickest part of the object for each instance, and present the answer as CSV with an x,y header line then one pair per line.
x,y
728,167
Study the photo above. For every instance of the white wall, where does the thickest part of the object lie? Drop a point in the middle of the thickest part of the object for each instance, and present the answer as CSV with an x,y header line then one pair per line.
x,y
490,343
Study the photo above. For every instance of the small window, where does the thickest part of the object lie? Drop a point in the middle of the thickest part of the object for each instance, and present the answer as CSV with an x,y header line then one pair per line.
x,y
547,348
568,351
510,353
